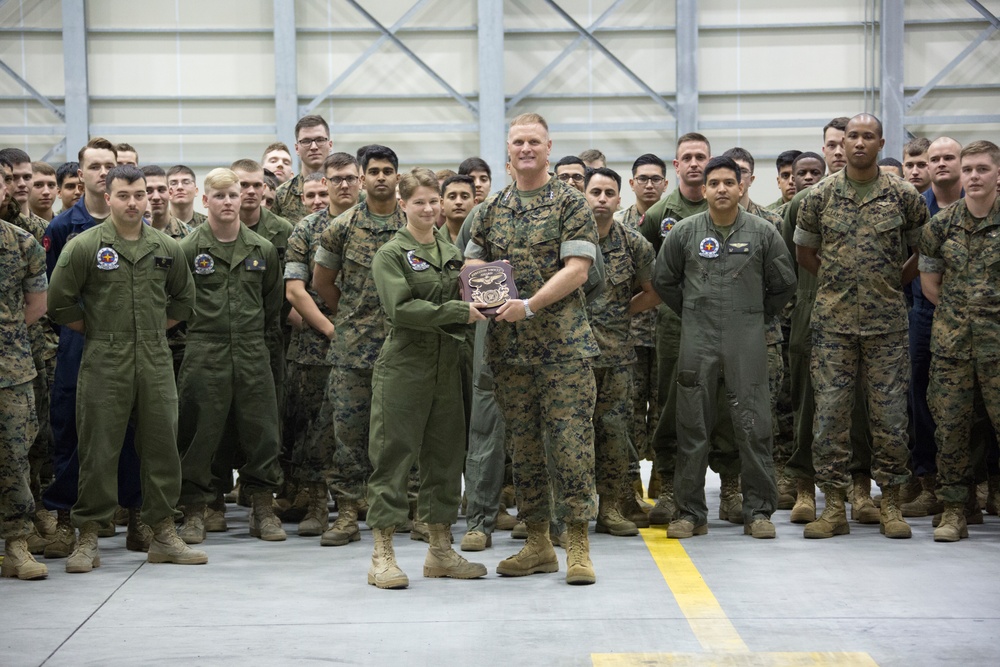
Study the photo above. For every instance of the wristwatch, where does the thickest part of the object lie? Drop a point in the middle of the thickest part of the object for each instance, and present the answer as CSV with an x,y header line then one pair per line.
x,y
527,310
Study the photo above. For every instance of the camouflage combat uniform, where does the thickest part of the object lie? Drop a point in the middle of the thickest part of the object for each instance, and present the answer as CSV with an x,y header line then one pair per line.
x,y
288,200
965,336
544,381
22,269
859,319
348,246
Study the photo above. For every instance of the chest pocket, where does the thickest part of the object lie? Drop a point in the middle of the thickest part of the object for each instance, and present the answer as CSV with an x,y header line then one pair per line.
x,y
991,260
836,225
618,270
955,253
889,234
545,239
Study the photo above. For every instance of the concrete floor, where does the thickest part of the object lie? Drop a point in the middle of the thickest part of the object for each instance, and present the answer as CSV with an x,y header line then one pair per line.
x,y
719,599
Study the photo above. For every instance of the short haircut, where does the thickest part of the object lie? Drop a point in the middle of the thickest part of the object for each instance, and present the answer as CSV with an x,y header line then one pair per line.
x,y
809,155
461,179
419,177
878,123
276,146
530,119
66,169
983,147
4,162
603,171
312,120
649,158
786,158
838,123
220,178
443,174
377,152
126,148
124,172
98,143
339,160
916,147
360,153
270,180
569,159
471,164
592,154
315,177
15,156
43,168
722,162
741,154
692,137
890,162
247,165
153,170
180,169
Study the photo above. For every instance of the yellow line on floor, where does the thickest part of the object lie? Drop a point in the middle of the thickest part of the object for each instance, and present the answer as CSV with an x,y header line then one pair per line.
x,y
732,660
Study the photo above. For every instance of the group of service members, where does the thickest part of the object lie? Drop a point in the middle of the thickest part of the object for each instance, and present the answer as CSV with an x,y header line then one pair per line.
x,y
309,332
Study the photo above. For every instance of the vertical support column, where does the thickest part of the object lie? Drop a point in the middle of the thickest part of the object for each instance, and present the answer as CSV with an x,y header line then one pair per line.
x,y
74,30
687,66
891,97
286,89
492,130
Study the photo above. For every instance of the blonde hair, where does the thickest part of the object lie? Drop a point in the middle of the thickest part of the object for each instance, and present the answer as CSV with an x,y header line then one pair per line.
x,y
530,119
221,178
419,177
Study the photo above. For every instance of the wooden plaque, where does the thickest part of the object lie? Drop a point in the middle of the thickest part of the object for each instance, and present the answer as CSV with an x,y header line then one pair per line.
x,y
492,284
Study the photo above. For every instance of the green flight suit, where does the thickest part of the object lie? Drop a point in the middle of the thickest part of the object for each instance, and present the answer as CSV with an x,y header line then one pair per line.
x,y
124,291
226,371
417,413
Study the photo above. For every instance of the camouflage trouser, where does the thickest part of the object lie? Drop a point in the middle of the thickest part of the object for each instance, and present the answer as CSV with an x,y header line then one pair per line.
x,y
784,440
548,411
350,393
40,454
611,442
839,363
775,379
952,397
645,402
18,426
309,430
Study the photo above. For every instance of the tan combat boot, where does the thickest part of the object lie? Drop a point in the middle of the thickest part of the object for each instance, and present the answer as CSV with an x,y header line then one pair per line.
x,y
419,532
442,561
804,509
138,535
952,527
193,529
730,499
536,557
786,488
972,511
505,520
863,508
611,521
36,543
62,543
264,524
579,568
167,547
926,502
384,572
833,520
345,529
85,556
666,506
892,523
44,522
476,540
215,516
317,518
632,509
17,562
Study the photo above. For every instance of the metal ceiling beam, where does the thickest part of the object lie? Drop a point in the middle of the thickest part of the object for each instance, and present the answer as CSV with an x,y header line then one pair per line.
x,y
891,97
286,97
686,60
492,129
77,86
42,99
946,70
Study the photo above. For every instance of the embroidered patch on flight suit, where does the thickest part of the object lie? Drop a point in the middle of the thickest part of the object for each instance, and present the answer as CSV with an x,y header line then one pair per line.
x,y
739,248
416,263
163,262
709,248
667,225
107,259
254,264
204,264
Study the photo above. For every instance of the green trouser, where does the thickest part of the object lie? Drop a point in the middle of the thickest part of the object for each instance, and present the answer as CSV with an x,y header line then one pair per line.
x,y
416,417
223,379
17,431
124,375
484,462
40,453
645,406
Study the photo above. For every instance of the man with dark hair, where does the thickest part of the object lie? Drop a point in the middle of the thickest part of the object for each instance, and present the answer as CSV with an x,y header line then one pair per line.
x,y
593,158
18,177
785,183
458,196
270,187
480,172
738,263
43,190
571,171
854,232
916,168
649,180
891,165
183,188
312,145
70,184
126,154
122,284
278,160
158,198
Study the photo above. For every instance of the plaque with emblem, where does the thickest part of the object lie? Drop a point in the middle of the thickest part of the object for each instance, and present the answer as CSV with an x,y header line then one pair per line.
x,y
492,284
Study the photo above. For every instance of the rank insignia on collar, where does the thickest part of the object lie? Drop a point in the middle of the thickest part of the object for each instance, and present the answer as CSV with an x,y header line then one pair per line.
x,y
107,259
709,248
667,225
204,264
739,248
416,263
254,264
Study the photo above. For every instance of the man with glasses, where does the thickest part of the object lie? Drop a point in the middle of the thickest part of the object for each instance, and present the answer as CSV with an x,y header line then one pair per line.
x,y
312,145
183,190
571,170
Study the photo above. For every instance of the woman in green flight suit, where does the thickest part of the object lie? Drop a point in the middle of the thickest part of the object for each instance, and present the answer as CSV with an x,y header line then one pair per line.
x,y
417,414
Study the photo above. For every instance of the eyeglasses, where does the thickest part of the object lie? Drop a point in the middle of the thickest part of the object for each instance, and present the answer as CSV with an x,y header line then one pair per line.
x,y
655,180
570,177
305,143
338,180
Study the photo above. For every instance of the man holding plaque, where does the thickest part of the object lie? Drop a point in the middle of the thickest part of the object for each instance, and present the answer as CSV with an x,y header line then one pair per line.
x,y
540,346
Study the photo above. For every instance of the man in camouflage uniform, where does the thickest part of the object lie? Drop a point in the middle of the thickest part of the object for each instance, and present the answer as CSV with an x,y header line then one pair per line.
x,y
545,383
342,278
628,262
22,302
861,222
959,270
312,144
308,425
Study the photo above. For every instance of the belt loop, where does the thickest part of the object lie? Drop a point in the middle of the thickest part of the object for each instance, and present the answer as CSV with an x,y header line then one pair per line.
x,y
111,338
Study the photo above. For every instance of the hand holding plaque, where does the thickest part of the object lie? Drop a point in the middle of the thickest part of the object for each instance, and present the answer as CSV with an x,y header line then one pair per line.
x,y
491,284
